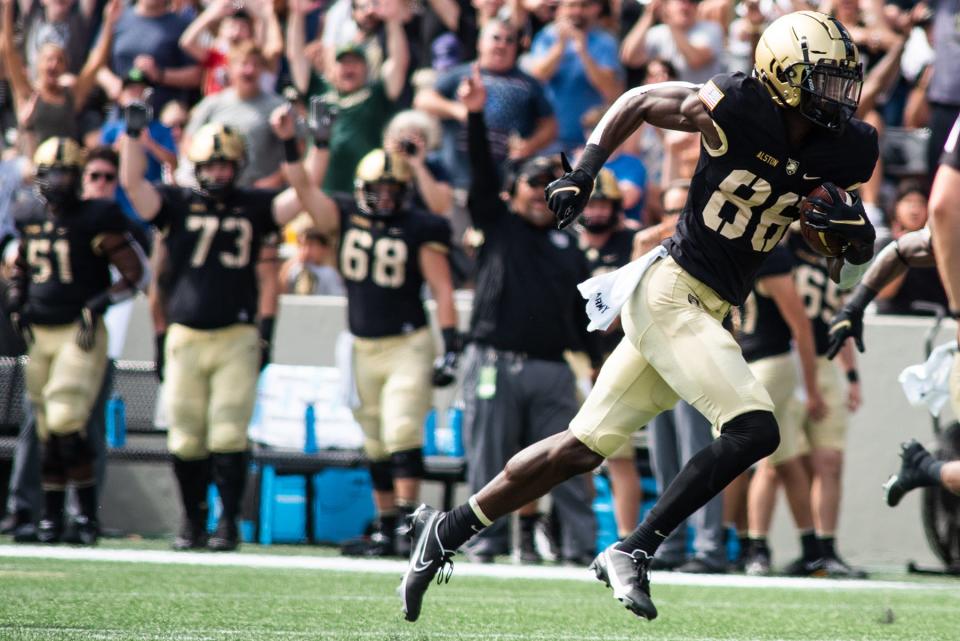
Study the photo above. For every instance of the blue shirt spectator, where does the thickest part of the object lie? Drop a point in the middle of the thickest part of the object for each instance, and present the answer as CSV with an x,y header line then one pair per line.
x,y
160,135
146,37
631,169
578,62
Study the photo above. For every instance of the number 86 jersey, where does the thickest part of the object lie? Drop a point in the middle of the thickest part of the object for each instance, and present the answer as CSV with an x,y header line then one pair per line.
x,y
745,194
380,264
210,278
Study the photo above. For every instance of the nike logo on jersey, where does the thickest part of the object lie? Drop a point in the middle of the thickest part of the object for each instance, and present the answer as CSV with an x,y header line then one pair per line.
x,y
573,188
806,177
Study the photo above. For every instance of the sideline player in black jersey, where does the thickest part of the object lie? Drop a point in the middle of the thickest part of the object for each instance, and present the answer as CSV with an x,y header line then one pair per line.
x,y
767,140
220,278
608,246
387,251
59,291
937,244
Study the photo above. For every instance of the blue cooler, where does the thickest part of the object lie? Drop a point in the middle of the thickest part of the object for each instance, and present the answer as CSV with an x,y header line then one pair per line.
x,y
343,504
283,508
603,512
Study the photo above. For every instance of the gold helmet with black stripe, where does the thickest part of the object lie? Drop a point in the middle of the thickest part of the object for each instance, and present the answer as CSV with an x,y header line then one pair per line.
x,y
598,217
808,61
216,143
382,183
58,164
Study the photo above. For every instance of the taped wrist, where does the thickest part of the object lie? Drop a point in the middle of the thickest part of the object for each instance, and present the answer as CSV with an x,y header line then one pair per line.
x,y
592,159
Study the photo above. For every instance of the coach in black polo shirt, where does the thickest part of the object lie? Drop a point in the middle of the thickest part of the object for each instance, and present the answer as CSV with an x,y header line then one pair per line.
x,y
527,311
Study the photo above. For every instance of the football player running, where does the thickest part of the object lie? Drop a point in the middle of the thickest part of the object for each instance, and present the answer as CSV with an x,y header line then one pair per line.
x,y
59,290
938,244
220,297
767,140
387,251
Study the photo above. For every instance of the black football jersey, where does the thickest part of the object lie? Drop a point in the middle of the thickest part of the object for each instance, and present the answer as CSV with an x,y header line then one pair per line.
x,y
66,270
379,261
210,279
763,331
744,196
821,296
614,254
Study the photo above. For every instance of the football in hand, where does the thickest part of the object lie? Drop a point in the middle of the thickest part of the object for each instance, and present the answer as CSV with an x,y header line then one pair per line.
x,y
825,243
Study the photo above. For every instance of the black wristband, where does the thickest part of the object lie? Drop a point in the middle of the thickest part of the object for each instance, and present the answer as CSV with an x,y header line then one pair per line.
x,y
99,303
592,159
861,297
265,328
955,313
291,151
853,376
452,341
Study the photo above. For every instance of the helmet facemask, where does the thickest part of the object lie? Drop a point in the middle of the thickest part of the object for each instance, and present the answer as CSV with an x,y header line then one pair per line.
x,y
381,198
829,93
58,186
216,188
599,223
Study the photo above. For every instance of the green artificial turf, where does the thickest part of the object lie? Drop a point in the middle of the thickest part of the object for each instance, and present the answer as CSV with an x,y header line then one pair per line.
x,y
48,600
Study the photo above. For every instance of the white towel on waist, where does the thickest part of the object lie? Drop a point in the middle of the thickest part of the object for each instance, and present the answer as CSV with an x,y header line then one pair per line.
x,y
606,294
928,384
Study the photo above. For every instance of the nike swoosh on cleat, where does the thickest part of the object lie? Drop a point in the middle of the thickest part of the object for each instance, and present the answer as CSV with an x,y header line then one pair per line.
x,y
574,189
858,221
420,564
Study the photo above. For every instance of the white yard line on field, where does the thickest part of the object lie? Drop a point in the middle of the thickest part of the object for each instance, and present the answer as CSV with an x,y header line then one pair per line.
x,y
397,567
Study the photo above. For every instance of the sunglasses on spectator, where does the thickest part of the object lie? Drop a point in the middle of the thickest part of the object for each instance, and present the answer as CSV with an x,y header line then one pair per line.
x,y
97,176
179,124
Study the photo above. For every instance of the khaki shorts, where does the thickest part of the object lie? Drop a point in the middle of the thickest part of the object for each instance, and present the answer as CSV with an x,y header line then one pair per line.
x,y
778,374
830,433
393,376
675,347
63,380
210,388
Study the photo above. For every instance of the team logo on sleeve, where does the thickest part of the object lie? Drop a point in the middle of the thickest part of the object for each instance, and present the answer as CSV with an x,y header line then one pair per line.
x,y
792,166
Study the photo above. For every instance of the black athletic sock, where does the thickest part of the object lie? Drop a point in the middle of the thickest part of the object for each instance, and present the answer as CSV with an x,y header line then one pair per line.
x,y
827,546
743,441
87,498
645,537
528,522
458,526
53,501
929,467
388,523
759,544
809,546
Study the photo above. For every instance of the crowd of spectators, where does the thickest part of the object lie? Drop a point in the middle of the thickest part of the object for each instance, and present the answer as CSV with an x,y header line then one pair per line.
x,y
386,73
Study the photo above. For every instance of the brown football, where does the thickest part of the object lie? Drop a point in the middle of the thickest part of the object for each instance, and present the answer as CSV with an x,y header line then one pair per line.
x,y
825,243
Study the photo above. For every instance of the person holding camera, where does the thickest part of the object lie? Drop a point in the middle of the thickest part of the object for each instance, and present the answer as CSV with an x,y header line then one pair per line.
x,y
137,120
415,135
388,250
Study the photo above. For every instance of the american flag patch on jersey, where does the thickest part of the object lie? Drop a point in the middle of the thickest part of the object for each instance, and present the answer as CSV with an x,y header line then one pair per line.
x,y
710,95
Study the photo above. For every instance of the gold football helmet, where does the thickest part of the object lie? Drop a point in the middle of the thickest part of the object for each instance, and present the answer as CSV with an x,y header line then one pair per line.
x,y
808,61
216,142
57,166
382,174
605,188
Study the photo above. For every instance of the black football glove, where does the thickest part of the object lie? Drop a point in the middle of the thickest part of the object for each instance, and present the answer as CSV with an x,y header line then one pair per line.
x,y
137,116
87,333
445,367
568,195
848,322
320,121
846,220
21,325
159,354
265,328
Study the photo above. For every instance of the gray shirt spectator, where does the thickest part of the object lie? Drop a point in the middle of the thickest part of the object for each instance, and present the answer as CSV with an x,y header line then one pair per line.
x,y
694,47
60,22
246,107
